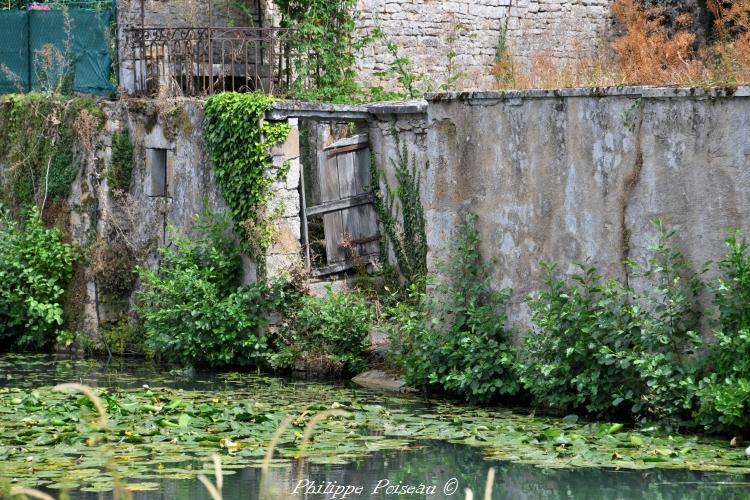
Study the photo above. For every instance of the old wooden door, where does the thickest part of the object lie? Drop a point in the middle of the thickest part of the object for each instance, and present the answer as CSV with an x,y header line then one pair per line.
x,y
349,219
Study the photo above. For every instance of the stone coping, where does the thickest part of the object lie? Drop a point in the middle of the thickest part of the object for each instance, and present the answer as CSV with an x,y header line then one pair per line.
x,y
281,110
624,91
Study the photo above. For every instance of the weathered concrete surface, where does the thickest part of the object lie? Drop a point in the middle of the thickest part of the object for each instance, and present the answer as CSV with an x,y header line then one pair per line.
x,y
140,218
562,176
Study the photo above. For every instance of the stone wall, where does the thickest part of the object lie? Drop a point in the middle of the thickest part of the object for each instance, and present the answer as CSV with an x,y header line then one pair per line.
x,y
427,30
146,216
560,176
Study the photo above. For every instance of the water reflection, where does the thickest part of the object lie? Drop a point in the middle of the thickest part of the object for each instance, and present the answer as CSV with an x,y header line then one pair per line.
x,y
435,463
431,464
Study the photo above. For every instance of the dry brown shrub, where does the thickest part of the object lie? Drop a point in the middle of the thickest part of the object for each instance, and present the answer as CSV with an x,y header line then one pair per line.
x,y
86,130
646,54
729,55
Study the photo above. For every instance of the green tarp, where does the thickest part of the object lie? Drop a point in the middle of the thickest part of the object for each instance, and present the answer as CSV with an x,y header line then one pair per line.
x,y
26,36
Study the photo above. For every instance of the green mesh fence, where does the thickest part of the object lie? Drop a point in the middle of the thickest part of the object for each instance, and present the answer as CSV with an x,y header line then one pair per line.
x,y
26,38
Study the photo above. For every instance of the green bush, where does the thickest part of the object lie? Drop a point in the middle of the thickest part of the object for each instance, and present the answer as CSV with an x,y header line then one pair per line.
x,y
456,339
332,332
602,347
578,356
725,394
35,266
191,308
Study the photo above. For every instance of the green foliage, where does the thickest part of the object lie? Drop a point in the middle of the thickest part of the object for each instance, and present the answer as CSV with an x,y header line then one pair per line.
x,y
455,340
602,347
574,359
37,144
35,266
400,68
191,308
322,47
238,141
332,332
670,332
725,393
403,225
121,167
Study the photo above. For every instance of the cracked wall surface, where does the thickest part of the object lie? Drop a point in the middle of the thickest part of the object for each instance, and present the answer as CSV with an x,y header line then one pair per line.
x,y
563,176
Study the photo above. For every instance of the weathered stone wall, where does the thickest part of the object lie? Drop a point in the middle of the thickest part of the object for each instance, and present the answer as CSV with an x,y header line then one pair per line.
x,y
142,217
427,30
560,176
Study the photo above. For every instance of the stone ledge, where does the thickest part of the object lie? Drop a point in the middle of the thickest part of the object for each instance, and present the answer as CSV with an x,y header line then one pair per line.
x,y
624,91
282,110
416,107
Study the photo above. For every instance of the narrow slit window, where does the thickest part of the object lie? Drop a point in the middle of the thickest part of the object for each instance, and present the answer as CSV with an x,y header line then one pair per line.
x,y
157,160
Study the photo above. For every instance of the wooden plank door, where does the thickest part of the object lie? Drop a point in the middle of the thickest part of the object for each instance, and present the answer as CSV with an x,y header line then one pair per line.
x,y
349,219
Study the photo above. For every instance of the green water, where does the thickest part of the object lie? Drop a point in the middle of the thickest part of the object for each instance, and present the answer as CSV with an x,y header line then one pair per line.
x,y
389,441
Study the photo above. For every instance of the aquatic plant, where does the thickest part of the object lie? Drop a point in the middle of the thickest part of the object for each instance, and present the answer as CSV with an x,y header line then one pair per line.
x,y
157,433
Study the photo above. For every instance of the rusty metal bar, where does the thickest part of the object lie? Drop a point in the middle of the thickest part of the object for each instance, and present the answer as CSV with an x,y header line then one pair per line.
x,y
177,57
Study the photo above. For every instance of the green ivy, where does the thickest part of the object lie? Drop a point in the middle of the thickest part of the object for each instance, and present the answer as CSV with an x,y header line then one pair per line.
x,y
121,168
238,141
403,224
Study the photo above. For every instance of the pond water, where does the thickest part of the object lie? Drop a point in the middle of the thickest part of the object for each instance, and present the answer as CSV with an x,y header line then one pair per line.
x,y
161,436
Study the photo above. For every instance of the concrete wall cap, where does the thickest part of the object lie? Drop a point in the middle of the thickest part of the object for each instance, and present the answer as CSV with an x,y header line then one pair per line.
x,y
622,91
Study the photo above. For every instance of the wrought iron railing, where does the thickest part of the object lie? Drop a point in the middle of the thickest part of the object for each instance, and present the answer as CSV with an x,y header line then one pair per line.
x,y
204,61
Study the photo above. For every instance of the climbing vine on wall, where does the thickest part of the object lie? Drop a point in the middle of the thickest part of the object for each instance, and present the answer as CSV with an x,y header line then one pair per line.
x,y
323,47
238,141
38,135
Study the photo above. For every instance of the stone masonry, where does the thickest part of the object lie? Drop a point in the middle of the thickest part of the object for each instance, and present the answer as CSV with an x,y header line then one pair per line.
x,y
426,31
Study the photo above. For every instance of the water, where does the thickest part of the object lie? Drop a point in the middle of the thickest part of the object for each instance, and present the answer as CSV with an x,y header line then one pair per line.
x,y
446,468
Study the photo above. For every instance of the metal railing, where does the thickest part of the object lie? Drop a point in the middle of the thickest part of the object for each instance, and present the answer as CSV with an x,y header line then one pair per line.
x,y
204,61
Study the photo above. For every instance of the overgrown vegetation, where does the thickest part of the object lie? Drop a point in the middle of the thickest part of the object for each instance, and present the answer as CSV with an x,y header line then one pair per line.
x,y
326,334
37,144
725,392
35,266
323,47
195,312
120,170
401,216
456,339
238,141
650,49
604,348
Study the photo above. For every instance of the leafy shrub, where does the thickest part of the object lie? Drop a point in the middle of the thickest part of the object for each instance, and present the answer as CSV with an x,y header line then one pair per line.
x,y
191,308
35,266
578,355
599,344
725,394
463,348
332,332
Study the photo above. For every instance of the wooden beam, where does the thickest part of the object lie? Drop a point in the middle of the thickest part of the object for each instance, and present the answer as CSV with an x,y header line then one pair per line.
x,y
335,206
340,267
